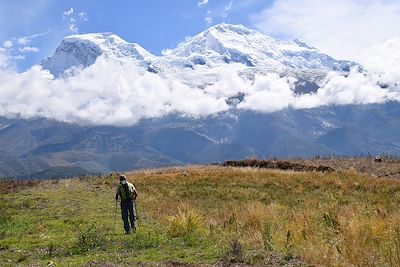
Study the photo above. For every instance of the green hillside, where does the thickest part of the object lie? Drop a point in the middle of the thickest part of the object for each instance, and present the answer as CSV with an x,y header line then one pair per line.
x,y
211,216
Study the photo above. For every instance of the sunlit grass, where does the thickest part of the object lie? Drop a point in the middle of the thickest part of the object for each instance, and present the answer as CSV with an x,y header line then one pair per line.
x,y
206,214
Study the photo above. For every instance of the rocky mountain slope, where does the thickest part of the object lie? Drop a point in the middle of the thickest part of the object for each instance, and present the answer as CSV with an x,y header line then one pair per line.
x,y
46,148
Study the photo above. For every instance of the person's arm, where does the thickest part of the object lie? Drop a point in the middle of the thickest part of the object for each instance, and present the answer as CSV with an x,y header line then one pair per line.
x,y
134,192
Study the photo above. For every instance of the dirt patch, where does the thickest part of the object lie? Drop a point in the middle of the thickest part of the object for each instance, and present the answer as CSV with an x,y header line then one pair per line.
x,y
94,263
276,164
173,263
268,260
168,263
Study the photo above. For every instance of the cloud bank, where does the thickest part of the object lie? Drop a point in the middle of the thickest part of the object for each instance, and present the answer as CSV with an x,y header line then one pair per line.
x,y
341,28
383,59
113,93
97,96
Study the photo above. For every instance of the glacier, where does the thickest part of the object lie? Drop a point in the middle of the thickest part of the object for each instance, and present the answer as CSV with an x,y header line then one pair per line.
x,y
217,46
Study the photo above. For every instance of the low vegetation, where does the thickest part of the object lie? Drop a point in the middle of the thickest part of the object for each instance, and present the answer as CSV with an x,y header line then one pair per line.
x,y
205,216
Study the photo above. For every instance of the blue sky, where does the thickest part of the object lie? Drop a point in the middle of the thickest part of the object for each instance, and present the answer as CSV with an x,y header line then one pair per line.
x,y
154,24
345,29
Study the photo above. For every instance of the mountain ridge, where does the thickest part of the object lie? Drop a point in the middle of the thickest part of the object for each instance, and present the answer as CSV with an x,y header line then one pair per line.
x,y
219,44
83,50
49,147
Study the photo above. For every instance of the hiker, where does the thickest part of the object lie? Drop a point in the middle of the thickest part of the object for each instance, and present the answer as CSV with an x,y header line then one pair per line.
x,y
127,192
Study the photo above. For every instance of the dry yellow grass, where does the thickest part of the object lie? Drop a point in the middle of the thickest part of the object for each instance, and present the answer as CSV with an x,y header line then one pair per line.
x,y
336,219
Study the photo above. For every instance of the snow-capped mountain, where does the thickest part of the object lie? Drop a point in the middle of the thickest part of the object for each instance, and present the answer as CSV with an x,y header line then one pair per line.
x,y
225,43
40,147
83,50
216,46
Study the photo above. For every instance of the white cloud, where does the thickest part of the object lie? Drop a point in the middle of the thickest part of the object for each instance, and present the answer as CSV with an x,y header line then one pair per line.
x,y
29,49
357,88
73,20
83,16
72,27
228,82
97,95
202,3
268,94
115,93
25,40
8,44
19,57
68,12
166,52
227,8
341,28
384,59
208,18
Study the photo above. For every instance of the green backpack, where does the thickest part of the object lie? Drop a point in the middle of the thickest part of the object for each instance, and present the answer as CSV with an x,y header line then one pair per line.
x,y
126,192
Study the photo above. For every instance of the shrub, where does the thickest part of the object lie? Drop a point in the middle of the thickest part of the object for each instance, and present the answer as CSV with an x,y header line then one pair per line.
x,y
16,227
186,225
235,253
145,239
4,220
89,237
231,224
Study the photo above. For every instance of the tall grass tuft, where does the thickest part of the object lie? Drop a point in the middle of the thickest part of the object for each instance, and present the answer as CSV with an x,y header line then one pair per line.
x,y
267,237
188,225
146,239
89,237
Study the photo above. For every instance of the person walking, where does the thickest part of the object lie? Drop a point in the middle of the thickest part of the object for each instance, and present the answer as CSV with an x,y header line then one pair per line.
x,y
127,193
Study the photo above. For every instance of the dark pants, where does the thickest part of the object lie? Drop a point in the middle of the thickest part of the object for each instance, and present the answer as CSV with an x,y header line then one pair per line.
x,y
128,211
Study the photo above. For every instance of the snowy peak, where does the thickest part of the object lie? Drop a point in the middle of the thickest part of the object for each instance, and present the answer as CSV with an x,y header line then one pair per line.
x,y
216,39
226,43
218,45
222,43
111,44
83,50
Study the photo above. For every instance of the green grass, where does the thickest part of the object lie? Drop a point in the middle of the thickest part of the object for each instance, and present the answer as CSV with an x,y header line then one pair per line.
x,y
204,215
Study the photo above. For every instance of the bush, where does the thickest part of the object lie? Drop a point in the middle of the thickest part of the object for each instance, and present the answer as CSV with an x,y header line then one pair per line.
x,y
89,237
145,239
186,225
4,220
16,227
235,252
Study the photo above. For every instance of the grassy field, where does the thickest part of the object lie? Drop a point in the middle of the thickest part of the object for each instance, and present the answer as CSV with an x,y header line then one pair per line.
x,y
212,216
